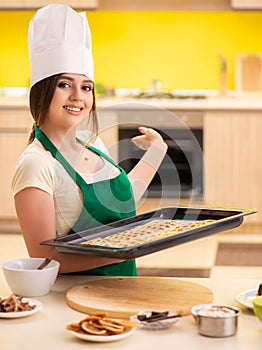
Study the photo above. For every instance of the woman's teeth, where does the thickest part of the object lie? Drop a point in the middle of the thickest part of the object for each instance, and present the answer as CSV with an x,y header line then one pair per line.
x,y
72,109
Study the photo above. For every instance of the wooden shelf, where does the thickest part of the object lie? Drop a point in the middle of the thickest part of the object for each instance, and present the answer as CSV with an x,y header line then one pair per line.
x,y
165,5
35,4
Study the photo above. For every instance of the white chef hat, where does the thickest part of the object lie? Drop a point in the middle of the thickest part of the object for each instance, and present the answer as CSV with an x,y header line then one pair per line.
x,y
59,41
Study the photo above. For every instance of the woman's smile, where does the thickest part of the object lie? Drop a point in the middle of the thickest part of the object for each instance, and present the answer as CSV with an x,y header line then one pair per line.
x,y
73,108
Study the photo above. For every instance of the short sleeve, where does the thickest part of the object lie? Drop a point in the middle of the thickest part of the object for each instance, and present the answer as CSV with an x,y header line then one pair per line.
x,y
33,169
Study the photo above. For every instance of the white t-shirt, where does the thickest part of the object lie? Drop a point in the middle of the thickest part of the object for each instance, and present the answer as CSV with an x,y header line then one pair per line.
x,y
37,168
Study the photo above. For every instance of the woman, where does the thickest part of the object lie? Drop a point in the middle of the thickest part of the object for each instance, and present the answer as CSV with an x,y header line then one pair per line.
x,y
62,184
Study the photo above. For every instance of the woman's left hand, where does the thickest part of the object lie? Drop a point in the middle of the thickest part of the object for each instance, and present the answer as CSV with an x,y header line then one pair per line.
x,y
143,172
149,137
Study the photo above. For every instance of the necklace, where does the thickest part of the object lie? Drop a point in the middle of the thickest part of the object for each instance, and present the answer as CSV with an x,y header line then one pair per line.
x,y
98,162
87,158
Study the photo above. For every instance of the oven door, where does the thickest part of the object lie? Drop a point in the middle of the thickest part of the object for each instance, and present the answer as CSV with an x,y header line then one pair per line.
x,y
181,172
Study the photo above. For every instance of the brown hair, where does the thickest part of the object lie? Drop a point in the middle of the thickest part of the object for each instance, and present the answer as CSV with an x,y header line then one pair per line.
x,y
41,95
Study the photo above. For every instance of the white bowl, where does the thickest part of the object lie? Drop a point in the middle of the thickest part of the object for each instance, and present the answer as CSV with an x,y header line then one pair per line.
x,y
24,279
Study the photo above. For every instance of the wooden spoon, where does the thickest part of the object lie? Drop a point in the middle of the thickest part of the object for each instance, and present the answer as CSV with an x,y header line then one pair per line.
x,y
44,263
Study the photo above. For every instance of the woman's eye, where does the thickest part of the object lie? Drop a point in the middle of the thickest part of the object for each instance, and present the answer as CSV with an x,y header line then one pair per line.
x,y
87,87
63,85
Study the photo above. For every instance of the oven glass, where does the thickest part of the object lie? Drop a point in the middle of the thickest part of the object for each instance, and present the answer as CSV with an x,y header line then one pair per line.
x,y
181,172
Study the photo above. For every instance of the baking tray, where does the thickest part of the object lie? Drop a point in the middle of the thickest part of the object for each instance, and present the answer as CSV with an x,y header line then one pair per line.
x,y
225,219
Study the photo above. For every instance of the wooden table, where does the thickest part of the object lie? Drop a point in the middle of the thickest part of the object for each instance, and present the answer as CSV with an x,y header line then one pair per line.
x,y
46,329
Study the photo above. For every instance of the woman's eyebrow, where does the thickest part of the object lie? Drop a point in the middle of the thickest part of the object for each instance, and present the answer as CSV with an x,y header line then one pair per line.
x,y
72,79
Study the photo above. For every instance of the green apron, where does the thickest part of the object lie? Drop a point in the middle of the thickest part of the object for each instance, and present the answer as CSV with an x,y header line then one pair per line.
x,y
103,202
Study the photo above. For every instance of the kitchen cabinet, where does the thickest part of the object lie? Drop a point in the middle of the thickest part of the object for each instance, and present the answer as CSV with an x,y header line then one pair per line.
x,y
15,125
233,167
35,4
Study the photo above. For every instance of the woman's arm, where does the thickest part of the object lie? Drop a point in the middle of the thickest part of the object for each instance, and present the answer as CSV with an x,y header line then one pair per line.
x,y
144,171
36,214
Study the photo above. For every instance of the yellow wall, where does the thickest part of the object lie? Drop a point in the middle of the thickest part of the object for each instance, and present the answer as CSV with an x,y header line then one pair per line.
x,y
131,48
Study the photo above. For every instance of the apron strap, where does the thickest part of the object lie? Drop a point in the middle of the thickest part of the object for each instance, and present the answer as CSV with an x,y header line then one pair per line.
x,y
57,155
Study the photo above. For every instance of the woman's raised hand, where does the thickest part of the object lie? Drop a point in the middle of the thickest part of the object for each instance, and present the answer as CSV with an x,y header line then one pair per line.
x,y
148,138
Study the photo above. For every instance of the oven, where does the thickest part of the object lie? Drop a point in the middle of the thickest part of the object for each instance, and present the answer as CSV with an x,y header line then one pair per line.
x,y
181,172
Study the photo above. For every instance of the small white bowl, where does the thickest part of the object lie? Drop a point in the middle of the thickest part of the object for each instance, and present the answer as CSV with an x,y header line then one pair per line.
x,y
24,279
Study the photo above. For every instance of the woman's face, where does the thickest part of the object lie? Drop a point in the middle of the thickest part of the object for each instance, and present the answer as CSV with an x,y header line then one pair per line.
x,y
72,101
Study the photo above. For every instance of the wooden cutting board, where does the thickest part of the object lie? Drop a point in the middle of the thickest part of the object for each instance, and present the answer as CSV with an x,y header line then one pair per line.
x,y
248,73
126,296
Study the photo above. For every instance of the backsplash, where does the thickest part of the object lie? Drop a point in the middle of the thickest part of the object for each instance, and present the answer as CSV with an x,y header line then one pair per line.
x,y
130,49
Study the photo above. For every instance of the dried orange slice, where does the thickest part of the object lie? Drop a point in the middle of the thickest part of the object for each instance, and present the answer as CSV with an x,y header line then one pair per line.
x,y
93,330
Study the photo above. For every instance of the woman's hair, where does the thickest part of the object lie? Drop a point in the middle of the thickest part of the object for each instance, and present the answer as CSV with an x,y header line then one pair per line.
x,y
41,95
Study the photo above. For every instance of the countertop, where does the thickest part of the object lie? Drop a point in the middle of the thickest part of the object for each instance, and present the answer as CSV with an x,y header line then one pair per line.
x,y
47,328
207,104
210,103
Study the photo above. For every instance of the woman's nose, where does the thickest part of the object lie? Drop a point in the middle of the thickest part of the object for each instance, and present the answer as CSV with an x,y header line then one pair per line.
x,y
76,95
